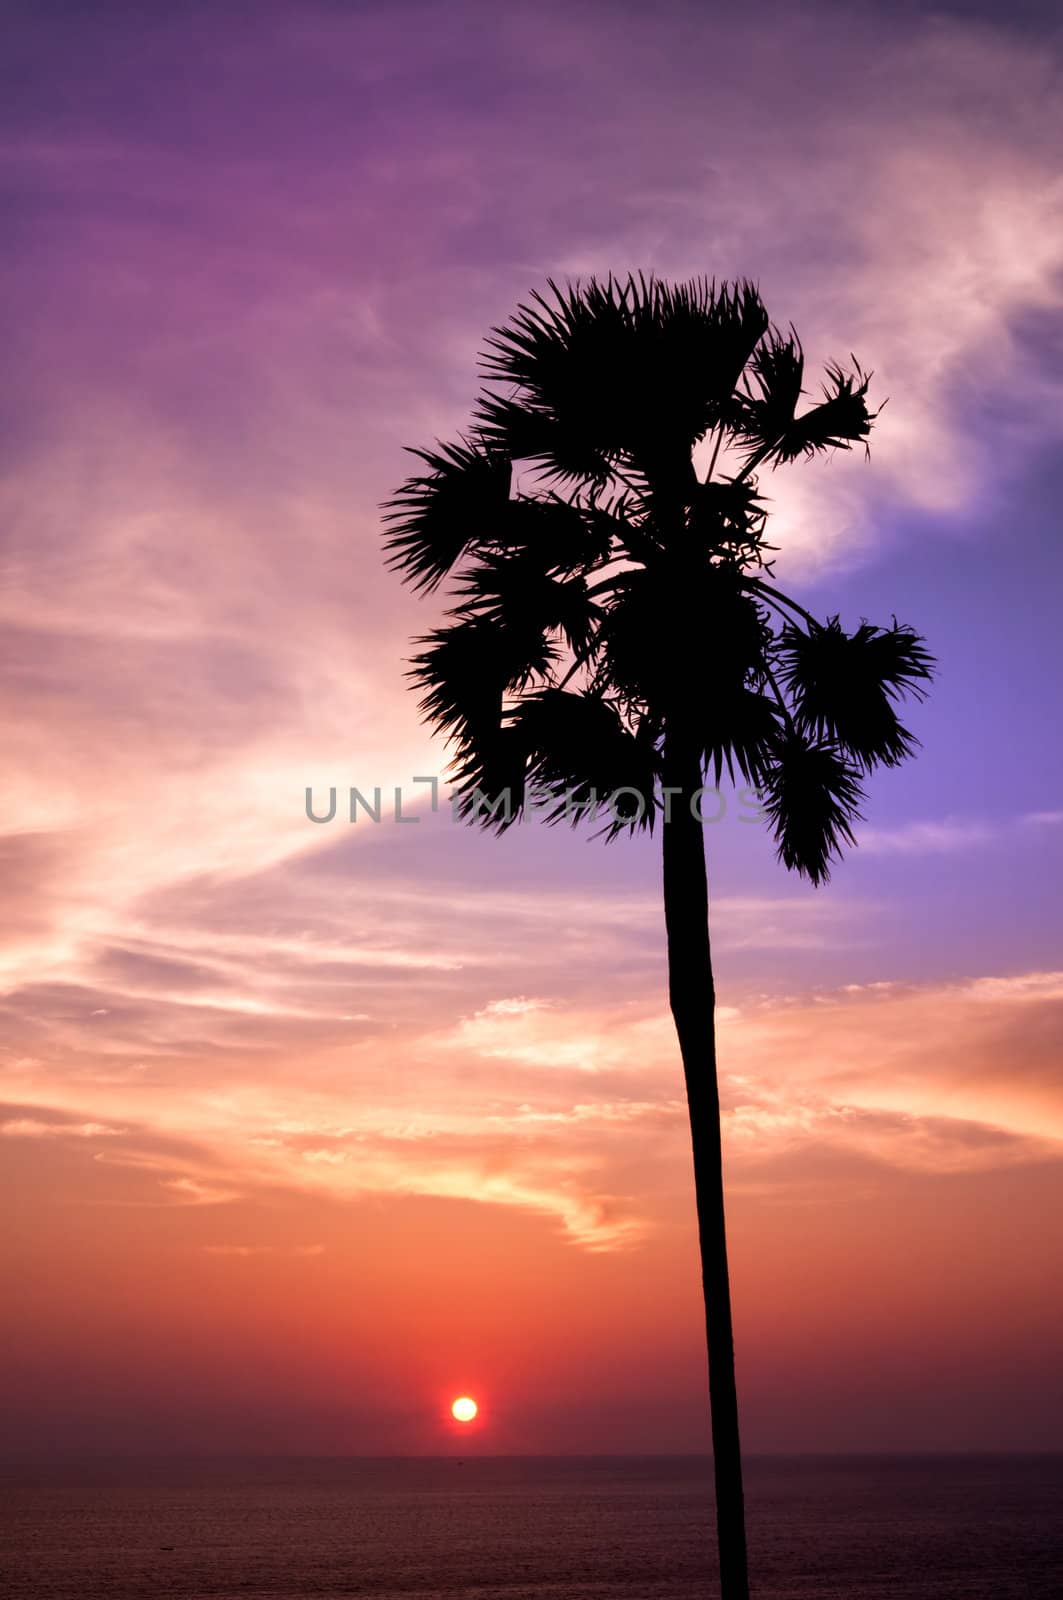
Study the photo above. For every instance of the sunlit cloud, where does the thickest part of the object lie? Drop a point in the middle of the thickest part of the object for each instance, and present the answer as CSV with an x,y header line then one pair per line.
x,y
193,1193
31,1128
501,1109
961,1064
521,1030
1037,986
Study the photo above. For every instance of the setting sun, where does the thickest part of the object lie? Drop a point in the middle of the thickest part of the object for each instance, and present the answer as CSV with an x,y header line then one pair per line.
x,y
464,1410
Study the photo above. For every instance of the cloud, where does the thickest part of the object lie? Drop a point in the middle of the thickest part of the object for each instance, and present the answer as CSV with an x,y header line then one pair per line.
x,y
948,1076
919,838
523,1030
930,1144
1027,986
190,1191
946,835
32,1128
500,1110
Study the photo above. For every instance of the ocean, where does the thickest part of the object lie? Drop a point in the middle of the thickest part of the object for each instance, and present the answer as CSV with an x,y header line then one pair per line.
x,y
603,1528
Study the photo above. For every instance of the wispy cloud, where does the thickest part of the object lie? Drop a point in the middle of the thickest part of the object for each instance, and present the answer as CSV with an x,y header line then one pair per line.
x,y
919,838
500,1109
190,1191
945,835
33,1128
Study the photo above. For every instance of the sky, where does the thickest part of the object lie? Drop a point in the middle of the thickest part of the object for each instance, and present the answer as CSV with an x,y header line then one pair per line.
x,y
306,1129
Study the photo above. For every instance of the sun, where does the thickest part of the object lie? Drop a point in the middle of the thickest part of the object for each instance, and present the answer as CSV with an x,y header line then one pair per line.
x,y
464,1409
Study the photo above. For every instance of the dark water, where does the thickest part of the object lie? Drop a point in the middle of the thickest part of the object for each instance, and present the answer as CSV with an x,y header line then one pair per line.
x,y
514,1529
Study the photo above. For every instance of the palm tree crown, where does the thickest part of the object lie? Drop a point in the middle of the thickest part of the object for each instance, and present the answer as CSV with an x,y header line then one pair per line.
x,y
627,600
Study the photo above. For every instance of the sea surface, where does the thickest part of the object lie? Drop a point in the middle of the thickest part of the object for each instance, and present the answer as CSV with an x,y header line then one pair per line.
x,y
604,1528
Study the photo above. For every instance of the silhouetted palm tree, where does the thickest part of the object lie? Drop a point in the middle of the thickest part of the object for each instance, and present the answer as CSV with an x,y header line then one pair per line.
x,y
618,636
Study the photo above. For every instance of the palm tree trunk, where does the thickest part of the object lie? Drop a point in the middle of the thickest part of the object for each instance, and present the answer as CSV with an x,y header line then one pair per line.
x,y
693,1000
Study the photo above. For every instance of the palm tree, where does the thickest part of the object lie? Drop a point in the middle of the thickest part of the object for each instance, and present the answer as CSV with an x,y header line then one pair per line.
x,y
617,638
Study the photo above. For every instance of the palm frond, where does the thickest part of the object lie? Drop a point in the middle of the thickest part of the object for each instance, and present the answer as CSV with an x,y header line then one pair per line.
x,y
704,334
637,369
582,756
514,592
903,662
812,796
435,517
563,535
490,780
837,423
563,448
764,413
466,671
625,522
739,729
467,668
843,686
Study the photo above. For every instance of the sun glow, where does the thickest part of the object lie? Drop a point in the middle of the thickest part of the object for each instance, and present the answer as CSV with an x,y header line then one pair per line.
x,y
464,1410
